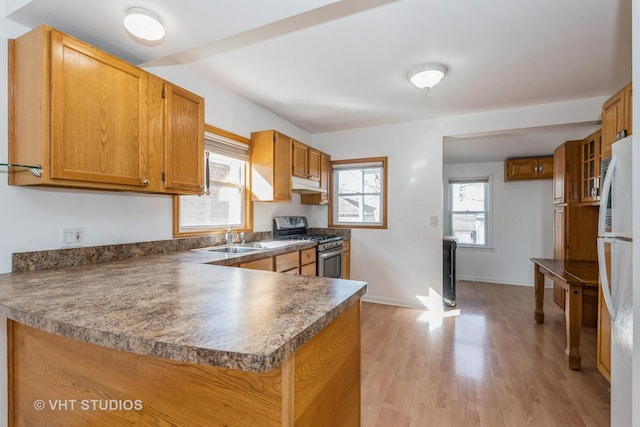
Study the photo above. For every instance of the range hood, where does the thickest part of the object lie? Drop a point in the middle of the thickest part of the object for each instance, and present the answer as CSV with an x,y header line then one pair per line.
x,y
305,186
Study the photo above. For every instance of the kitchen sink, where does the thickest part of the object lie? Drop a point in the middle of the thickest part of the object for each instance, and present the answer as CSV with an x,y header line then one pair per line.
x,y
244,248
234,249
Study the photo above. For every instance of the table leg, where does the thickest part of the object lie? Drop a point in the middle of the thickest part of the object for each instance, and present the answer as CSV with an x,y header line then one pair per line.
x,y
573,313
538,313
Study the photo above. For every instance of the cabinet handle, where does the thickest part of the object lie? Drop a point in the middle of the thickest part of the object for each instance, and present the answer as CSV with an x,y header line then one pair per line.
x,y
207,177
146,182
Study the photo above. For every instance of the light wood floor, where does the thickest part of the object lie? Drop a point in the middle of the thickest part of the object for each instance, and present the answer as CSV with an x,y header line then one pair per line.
x,y
490,365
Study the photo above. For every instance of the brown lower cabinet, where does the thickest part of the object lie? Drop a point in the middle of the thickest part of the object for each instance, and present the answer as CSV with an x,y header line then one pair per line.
x,y
346,259
319,384
297,262
265,264
308,265
286,262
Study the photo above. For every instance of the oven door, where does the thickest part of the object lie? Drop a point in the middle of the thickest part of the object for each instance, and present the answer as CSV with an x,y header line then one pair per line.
x,y
330,263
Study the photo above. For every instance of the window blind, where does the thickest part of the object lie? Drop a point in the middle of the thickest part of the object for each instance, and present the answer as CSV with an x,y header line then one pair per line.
x,y
226,147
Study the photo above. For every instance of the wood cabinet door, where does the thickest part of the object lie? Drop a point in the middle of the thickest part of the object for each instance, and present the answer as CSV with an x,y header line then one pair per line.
x,y
309,269
98,115
559,170
325,179
613,121
300,167
346,260
286,262
590,168
545,168
517,169
282,167
558,232
183,140
270,166
265,264
313,162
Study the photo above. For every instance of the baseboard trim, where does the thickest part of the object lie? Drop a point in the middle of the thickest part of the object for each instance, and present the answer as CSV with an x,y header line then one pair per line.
x,y
392,301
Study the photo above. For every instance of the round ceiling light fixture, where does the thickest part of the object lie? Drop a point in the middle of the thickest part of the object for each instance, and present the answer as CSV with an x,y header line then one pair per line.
x,y
426,76
143,25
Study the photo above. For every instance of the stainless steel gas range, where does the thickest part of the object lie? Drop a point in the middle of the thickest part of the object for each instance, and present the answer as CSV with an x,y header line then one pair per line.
x,y
329,249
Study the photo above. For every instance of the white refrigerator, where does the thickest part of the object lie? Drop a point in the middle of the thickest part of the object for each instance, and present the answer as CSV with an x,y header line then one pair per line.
x,y
615,232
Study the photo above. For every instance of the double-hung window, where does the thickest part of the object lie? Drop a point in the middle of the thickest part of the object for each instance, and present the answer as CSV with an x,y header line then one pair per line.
x,y
469,210
225,200
359,193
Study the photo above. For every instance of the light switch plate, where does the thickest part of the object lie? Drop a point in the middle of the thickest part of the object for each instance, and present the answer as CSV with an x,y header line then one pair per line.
x,y
434,221
72,237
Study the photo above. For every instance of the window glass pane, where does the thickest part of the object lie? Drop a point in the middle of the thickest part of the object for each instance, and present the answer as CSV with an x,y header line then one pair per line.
x,y
226,169
223,207
469,228
372,209
349,209
467,196
350,181
372,180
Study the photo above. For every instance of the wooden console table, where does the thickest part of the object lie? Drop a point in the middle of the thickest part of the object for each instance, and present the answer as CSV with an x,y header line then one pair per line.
x,y
574,277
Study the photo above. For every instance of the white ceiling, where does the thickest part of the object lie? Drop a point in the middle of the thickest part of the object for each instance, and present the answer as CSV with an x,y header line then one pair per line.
x,y
328,65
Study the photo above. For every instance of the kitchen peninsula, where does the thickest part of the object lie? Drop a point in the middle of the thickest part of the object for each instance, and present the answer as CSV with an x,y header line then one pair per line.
x,y
174,339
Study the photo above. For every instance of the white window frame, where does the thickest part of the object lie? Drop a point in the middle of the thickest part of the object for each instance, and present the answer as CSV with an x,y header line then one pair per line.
x,y
488,224
359,164
227,144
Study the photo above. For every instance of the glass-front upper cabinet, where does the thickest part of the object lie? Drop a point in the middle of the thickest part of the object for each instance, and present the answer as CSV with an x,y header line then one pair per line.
x,y
591,155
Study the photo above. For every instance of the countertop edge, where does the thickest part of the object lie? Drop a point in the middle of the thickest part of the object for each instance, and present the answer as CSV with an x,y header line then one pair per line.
x,y
157,349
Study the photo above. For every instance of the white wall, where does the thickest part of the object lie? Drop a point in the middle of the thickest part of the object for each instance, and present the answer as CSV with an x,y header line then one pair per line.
x,y
404,262
522,226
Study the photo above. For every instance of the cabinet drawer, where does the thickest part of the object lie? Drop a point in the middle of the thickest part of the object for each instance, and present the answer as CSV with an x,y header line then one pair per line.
x,y
307,256
295,271
288,261
308,270
259,264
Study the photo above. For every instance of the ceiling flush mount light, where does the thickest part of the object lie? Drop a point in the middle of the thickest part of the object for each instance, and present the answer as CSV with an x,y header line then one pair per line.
x,y
143,25
426,76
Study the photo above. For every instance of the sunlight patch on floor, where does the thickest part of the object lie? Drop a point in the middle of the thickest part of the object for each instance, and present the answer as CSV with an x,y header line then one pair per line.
x,y
435,311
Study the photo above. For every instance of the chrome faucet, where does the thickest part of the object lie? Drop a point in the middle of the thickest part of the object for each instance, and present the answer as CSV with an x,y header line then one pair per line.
x,y
229,235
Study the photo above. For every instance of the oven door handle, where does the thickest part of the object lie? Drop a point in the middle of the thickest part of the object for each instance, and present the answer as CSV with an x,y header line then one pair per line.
x,y
328,254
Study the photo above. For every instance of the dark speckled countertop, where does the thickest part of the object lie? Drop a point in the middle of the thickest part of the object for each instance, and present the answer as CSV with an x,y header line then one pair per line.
x,y
182,306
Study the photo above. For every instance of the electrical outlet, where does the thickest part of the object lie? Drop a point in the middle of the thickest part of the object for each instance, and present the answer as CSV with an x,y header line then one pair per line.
x,y
434,221
72,237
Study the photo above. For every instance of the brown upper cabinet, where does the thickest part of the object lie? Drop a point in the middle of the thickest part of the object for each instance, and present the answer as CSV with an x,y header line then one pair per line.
x,y
306,161
616,118
325,177
276,158
590,164
270,166
176,135
91,120
528,168
566,172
